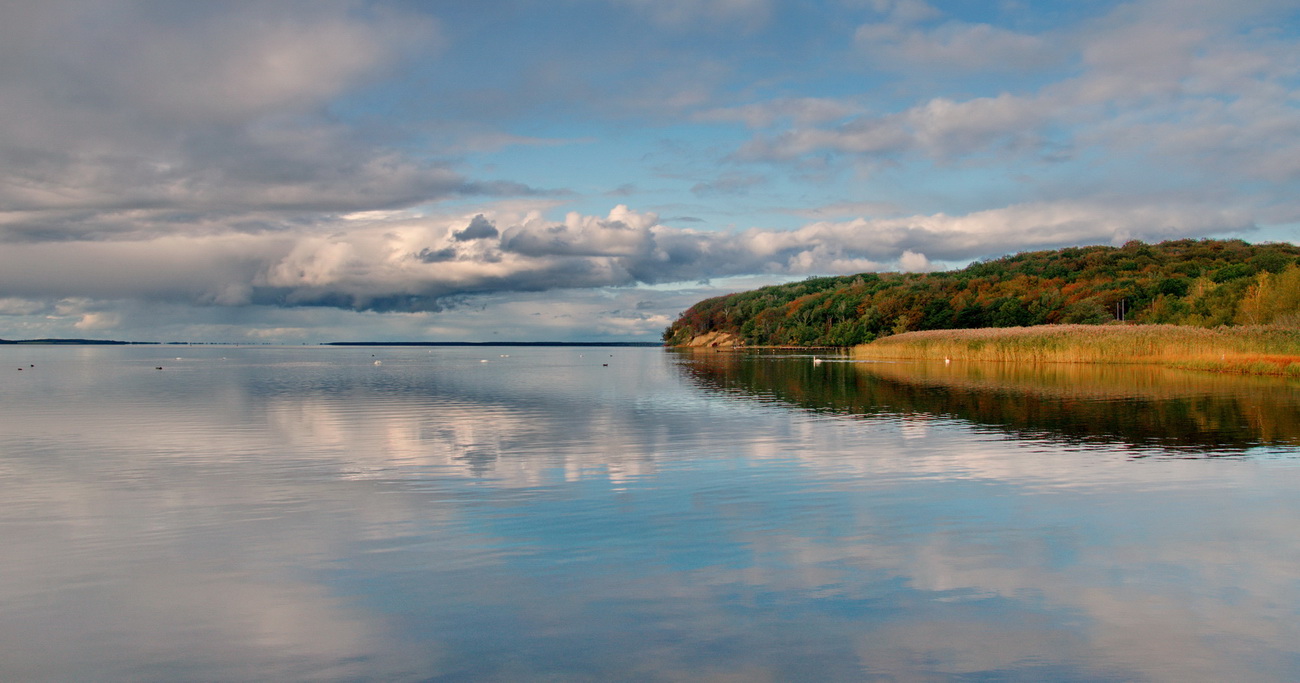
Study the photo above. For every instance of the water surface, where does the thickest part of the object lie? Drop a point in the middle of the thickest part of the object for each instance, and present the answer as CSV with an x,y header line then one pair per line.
x,y
635,514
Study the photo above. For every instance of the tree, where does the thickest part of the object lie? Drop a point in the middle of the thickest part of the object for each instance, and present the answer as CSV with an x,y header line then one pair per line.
x,y
1087,312
1007,312
1272,299
1191,282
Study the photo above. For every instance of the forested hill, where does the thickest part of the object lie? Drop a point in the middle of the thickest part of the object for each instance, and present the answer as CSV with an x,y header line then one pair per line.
x,y
1186,282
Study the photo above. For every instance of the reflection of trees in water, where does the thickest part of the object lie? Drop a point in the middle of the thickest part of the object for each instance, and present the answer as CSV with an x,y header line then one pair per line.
x,y
1137,405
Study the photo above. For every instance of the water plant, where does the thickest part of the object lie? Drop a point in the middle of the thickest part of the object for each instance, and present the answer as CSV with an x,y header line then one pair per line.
x,y
1271,350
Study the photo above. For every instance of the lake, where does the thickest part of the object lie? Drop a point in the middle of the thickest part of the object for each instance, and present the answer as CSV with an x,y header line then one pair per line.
x,y
508,514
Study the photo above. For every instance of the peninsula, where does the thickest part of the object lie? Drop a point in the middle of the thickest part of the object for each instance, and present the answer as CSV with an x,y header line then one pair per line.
x,y
1210,304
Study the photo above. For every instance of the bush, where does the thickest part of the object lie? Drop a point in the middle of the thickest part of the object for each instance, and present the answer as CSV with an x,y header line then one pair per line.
x,y
1232,272
1086,312
1174,286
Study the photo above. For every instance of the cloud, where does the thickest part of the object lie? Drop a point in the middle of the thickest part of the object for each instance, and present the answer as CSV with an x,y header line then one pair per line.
x,y
802,111
728,184
905,11
430,256
15,306
416,263
479,228
127,119
703,14
98,321
953,46
278,161
845,209
912,262
940,128
1155,96
623,233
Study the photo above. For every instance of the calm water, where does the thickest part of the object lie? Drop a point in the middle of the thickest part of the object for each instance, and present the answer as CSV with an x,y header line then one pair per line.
x,y
307,514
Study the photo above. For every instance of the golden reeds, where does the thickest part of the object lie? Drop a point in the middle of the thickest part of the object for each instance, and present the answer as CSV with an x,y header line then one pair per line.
x,y
1245,350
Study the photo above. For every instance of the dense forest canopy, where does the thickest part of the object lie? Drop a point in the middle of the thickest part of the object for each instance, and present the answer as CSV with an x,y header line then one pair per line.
x,y
1204,283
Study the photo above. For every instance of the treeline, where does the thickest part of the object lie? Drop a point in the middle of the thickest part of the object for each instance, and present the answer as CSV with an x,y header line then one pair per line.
x,y
1203,283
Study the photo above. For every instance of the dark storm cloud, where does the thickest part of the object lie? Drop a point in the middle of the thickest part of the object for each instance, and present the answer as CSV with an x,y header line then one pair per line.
x,y
430,256
479,228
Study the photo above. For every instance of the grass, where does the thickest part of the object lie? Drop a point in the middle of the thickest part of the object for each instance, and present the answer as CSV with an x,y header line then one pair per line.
x,y
1243,350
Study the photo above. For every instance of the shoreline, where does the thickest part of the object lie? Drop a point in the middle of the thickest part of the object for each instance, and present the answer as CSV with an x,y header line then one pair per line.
x,y
1239,350
1243,350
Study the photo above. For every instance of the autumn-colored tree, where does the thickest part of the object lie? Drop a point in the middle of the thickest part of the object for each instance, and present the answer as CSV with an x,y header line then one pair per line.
x,y
1272,299
1186,282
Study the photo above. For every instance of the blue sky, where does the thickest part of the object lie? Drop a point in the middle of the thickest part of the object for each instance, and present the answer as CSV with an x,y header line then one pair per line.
x,y
586,169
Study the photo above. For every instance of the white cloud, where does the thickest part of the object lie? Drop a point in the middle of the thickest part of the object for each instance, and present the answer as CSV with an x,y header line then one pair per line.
x,y
953,46
801,111
940,128
201,64
913,262
1156,88
18,306
622,233
98,321
119,107
418,263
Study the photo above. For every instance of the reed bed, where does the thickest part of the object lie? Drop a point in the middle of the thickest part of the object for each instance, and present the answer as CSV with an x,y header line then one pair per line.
x,y
1243,350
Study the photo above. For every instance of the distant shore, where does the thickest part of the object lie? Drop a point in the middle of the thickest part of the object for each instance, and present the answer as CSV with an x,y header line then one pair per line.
x,y
610,344
1242,350
68,342
113,342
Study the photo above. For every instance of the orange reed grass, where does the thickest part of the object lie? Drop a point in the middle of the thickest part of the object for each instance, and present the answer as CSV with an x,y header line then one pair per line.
x,y
1245,350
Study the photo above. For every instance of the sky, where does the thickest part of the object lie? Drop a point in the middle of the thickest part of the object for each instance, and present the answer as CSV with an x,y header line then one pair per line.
x,y
585,170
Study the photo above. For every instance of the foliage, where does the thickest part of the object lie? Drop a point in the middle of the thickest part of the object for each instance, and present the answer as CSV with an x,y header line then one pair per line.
x,y
1274,298
1203,283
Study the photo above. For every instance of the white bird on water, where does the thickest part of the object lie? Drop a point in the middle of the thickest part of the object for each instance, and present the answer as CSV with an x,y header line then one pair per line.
x,y
817,361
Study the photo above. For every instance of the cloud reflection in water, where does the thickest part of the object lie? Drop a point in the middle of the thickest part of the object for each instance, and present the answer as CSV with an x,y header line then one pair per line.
x,y
302,513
